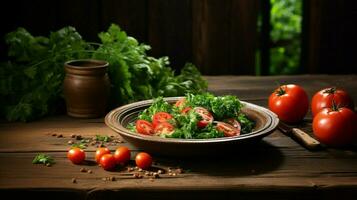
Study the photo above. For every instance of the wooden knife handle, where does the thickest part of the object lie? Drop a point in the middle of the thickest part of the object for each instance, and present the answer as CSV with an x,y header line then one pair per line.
x,y
308,141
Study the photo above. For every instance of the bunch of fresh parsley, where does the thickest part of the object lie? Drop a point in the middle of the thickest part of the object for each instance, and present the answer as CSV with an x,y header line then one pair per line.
x,y
31,80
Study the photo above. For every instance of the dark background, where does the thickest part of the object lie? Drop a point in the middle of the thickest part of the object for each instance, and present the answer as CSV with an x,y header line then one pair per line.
x,y
219,36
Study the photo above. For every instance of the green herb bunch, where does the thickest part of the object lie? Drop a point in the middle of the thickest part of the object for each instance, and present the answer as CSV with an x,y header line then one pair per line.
x,y
31,80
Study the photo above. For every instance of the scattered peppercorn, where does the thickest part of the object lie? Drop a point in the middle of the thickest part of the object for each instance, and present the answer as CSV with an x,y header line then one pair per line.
x,y
74,180
60,136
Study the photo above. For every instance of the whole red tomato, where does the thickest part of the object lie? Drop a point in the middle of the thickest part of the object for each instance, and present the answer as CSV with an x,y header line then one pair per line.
x,y
289,102
107,162
323,99
122,155
143,160
335,126
76,155
100,152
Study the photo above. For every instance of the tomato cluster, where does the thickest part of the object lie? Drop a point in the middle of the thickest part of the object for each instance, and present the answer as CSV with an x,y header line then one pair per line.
x,y
334,122
109,161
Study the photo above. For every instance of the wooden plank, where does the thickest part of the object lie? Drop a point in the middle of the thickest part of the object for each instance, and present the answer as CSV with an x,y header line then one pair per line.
x,y
222,31
130,15
169,30
329,36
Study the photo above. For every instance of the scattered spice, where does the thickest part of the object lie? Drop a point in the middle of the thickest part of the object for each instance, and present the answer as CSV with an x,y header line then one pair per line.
x,y
89,171
83,170
54,134
78,137
70,142
100,145
74,180
60,136
156,175
73,135
112,178
137,175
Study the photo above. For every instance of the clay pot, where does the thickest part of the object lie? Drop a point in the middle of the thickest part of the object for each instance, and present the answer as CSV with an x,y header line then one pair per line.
x,y
86,88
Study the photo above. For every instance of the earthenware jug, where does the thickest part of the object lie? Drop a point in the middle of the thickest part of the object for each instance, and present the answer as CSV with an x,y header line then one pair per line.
x,y
86,88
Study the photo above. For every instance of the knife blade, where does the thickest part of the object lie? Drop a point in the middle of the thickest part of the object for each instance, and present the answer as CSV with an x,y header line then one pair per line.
x,y
297,134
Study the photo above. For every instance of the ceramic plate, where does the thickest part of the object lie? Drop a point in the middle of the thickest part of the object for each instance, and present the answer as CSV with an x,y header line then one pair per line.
x,y
118,119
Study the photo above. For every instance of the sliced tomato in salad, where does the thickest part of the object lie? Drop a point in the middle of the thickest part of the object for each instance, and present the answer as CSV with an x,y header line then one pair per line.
x,y
207,117
180,102
164,128
160,117
227,129
144,127
233,122
185,110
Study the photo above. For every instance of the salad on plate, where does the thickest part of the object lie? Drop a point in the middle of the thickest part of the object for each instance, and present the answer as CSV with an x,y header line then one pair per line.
x,y
199,116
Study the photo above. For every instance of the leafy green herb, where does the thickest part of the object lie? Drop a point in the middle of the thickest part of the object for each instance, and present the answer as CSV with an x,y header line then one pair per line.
x,y
80,145
159,105
221,106
43,159
247,125
31,80
103,138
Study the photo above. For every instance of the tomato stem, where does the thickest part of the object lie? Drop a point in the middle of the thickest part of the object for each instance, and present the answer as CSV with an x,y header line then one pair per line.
x,y
330,90
334,107
280,91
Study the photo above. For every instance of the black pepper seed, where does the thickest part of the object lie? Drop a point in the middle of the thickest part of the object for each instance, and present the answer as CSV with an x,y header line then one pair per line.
x,y
74,180
60,136
54,134
156,175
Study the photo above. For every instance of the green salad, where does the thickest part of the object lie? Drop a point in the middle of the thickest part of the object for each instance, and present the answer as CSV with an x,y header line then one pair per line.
x,y
198,116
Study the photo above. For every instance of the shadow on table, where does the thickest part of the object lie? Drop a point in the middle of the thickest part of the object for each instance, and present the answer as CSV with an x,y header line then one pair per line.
x,y
249,159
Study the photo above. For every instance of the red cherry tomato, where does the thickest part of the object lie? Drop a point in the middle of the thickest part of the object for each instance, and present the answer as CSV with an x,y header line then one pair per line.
x,y
122,155
289,102
76,155
100,152
227,129
323,99
185,110
164,128
335,127
144,127
207,117
107,162
160,117
143,160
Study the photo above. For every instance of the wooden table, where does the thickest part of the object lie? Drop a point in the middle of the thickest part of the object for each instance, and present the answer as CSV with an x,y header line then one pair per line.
x,y
277,167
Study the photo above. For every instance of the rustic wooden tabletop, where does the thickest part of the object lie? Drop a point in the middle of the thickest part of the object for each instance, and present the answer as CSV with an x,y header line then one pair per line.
x,y
277,167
